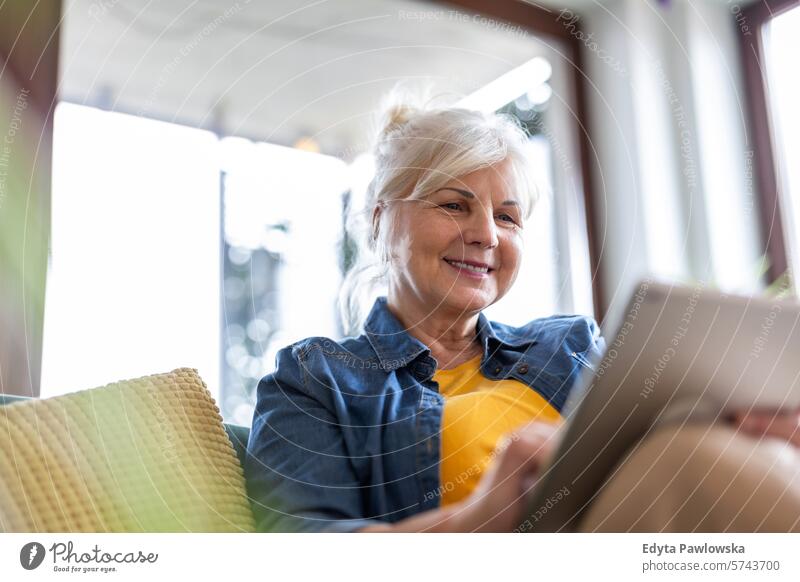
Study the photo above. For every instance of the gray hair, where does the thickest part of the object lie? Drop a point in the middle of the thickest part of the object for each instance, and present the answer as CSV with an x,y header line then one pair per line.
x,y
417,151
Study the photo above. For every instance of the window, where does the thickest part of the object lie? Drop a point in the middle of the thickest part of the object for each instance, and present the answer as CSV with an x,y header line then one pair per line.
x,y
781,47
172,248
769,47
282,209
133,284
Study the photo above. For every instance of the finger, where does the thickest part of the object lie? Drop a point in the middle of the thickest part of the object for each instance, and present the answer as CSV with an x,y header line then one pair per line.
x,y
534,429
736,416
526,453
756,418
539,428
753,424
549,423
785,426
781,425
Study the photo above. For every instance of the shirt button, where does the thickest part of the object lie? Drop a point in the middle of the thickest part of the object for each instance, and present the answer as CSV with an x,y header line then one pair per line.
x,y
523,369
497,370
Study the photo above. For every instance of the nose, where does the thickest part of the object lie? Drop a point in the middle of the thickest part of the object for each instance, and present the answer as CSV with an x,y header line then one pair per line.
x,y
481,229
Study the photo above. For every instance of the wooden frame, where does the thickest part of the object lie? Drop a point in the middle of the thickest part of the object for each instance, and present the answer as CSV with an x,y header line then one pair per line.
x,y
544,22
760,130
29,39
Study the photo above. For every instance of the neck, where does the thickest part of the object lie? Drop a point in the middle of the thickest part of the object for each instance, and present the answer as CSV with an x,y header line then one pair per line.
x,y
452,338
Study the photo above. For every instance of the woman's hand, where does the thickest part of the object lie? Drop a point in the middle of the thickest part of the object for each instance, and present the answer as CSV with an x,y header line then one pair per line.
x,y
782,424
498,503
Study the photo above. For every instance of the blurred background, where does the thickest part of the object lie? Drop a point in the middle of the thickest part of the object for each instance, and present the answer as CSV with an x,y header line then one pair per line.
x,y
175,175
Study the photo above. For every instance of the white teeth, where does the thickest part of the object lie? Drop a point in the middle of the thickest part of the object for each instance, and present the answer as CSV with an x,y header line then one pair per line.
x,y
469,267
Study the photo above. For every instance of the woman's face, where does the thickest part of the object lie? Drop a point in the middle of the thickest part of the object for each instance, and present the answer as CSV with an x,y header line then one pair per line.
x,y
458,248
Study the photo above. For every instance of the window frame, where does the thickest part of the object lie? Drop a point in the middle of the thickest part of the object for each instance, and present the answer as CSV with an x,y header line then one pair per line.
x,y
760,131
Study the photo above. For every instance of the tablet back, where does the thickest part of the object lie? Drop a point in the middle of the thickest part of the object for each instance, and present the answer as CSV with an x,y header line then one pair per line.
x,y
676,354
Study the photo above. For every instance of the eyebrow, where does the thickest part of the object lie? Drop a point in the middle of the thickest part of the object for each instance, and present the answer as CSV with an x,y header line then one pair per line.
x,y
468,194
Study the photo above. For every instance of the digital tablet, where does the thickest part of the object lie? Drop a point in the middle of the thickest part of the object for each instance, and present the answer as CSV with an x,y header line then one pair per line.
x,y
675,354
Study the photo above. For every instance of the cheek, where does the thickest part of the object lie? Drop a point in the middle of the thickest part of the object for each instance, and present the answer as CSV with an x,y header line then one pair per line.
x,y
512,256
431,239
417,244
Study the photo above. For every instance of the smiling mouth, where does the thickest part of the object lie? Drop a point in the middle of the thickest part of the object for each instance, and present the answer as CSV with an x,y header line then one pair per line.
x,y
470,267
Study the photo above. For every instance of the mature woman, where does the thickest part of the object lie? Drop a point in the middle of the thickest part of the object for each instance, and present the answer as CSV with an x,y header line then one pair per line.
x,y
433,418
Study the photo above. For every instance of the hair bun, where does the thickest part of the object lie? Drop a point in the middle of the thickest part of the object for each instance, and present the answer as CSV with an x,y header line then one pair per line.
x,y
405,101
395,116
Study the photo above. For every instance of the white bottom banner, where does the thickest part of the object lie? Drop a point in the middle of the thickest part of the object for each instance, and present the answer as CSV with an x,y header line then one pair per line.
x,y
390,557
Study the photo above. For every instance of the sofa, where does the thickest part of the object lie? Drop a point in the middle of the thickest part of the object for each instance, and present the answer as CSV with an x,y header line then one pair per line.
x,y
237,433
141,455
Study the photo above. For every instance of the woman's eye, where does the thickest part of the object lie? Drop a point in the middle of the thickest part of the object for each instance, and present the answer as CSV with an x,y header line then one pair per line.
x,y
451,206
507,218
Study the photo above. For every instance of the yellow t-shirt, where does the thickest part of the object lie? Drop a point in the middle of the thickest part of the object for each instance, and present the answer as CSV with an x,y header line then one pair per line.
x,y
477,413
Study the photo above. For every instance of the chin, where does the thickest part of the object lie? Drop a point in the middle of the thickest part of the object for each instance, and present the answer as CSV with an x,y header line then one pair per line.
x,y
462,300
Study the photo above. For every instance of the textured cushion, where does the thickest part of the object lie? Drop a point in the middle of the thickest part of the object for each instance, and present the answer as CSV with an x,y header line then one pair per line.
x,y
148,455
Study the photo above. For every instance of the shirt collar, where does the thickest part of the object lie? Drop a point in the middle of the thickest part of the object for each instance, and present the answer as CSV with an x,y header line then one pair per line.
x,y
396,347
390,340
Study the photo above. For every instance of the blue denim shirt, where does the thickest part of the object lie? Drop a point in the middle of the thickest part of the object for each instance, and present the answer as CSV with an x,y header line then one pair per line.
x,y
347,433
